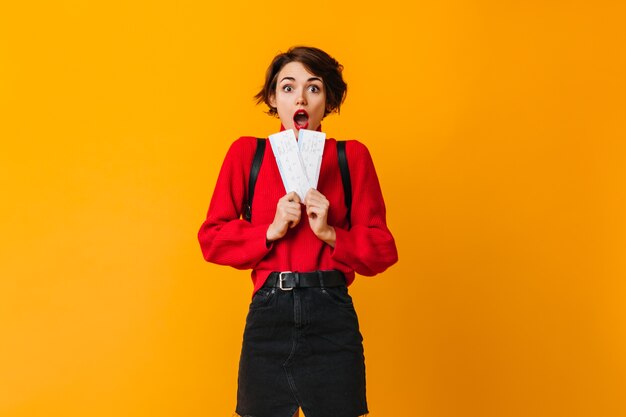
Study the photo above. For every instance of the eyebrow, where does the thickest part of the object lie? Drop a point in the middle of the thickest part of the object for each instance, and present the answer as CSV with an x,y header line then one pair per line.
x,y
310,79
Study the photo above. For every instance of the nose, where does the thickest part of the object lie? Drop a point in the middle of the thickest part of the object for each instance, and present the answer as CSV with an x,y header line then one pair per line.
x,y
300,100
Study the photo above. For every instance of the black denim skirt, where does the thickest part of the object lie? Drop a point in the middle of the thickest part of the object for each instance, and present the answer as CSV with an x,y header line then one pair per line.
x,y
302,348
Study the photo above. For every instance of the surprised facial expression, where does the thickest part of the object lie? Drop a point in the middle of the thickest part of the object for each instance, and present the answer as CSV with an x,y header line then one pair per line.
x,y
300,98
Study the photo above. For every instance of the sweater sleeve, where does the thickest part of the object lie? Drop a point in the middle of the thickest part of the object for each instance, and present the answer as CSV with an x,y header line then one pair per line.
x,y
368,247
224,238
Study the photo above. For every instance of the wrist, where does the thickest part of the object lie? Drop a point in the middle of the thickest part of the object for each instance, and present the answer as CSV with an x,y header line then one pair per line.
x,y
328,235
270,235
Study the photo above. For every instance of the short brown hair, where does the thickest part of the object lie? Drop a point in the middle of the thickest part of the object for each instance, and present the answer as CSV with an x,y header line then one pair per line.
x,y
318,63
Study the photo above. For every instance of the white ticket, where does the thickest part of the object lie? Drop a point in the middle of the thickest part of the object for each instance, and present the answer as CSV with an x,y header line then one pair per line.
x,y
311,145
289,162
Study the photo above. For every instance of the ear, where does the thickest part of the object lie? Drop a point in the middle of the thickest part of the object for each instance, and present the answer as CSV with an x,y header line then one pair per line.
x,y
272,100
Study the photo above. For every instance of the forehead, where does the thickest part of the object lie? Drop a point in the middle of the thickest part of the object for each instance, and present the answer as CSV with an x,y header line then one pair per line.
x,y
296,70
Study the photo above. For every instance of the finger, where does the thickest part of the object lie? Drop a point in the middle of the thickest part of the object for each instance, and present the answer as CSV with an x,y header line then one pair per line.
x,y
313,212
313,203
309,194
293,204
294,207
294,222
292,214
288,197
310,198
290,218
293,197
314,195
321,205
287,219
288,206
318,197
312,207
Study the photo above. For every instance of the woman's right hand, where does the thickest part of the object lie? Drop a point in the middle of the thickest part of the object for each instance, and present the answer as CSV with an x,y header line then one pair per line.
x,y
287,216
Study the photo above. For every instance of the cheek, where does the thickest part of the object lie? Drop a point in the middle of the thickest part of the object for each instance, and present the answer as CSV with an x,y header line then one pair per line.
x,y
281,108
320,107
321,110
285,117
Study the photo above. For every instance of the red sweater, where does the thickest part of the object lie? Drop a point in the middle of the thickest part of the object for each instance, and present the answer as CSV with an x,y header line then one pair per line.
x,y
367,248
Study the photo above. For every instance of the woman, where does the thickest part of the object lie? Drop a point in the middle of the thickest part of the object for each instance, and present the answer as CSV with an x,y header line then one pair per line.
x,y
301,346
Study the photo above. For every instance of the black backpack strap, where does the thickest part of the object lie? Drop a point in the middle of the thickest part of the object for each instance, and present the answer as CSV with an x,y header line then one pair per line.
x,y
254,173
345,177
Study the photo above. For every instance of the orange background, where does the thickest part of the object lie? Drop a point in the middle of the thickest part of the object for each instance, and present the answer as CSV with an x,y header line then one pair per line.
x,y
498,133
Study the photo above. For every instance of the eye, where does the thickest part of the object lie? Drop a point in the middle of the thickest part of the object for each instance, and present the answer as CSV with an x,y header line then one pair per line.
x,y
314,89
287,88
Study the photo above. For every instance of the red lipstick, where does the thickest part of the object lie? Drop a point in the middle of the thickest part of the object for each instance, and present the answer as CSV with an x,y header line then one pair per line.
x,y
301,119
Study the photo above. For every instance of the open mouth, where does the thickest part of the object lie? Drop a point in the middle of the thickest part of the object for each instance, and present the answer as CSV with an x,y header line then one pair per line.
x,y
301,119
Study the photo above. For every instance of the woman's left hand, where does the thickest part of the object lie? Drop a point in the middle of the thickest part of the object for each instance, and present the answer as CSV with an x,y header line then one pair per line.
x,y
317,212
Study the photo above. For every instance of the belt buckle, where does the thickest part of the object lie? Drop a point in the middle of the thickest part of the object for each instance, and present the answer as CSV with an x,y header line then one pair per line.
x,y
281,279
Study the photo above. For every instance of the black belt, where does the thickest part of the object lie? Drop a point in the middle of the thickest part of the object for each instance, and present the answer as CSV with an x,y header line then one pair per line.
x,y
290,280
